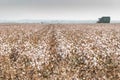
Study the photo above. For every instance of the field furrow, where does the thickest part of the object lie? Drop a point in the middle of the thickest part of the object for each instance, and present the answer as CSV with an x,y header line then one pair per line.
x,y
59,51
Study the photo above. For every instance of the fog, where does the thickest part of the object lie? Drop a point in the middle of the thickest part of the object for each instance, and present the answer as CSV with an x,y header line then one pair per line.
x,y
59,9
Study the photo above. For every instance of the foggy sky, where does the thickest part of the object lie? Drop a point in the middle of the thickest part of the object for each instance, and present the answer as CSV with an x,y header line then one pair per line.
x,y
59,9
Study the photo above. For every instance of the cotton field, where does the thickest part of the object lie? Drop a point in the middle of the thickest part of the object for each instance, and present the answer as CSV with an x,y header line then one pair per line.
x,y
59,51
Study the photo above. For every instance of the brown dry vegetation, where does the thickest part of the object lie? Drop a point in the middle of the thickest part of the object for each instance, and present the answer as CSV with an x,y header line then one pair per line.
x,y
59,51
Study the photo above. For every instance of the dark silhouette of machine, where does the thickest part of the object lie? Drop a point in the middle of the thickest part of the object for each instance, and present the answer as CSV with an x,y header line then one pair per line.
x,y
104,20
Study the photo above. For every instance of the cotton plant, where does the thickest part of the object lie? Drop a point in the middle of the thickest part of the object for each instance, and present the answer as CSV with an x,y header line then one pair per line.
x,y
60,52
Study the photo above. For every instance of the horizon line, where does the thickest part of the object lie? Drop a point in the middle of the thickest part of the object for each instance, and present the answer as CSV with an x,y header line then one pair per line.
x,y
52,21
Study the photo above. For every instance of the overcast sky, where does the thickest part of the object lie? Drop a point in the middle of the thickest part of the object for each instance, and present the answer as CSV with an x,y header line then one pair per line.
x,y
59,9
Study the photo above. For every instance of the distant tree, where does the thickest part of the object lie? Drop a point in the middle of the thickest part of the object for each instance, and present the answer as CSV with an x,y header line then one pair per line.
x,y
104,20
